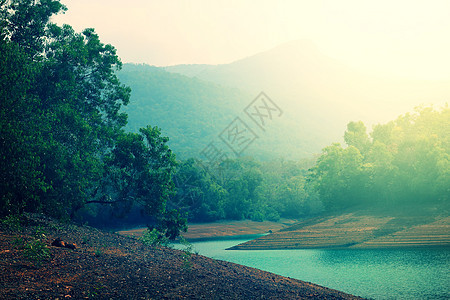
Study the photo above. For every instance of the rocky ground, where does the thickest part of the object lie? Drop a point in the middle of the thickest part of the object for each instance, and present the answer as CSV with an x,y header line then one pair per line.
x,y
111,266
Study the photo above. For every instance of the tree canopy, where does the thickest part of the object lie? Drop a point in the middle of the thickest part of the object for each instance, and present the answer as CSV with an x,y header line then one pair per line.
x,y
401,165
404,163
62,140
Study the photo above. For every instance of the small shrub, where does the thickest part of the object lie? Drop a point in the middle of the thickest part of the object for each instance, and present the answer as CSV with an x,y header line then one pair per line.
x,y
13,222
187,262
187,254
257,216
98,252
56,226
39,233
19,242
188,247
154,238
36,251
95,290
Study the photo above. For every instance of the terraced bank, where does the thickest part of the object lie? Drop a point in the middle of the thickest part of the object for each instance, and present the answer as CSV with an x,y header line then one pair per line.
x,y
357,230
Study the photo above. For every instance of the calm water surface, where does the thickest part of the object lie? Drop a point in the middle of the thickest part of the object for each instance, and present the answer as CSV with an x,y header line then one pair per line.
x,y
377,274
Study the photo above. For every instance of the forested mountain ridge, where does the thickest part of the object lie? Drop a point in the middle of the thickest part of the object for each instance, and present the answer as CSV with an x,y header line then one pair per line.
x,y
193,104
401,163
193,112
190,111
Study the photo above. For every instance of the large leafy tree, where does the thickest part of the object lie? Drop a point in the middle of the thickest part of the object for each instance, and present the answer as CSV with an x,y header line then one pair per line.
x,y
72,99
21,178
197,193
62,142
339,176
356,136
138,171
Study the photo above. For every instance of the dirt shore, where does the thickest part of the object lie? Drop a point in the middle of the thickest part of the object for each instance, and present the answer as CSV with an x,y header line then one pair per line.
x,y
200,231
111,266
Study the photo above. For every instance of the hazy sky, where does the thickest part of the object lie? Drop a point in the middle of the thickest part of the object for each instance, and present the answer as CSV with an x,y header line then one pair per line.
x,y
391,38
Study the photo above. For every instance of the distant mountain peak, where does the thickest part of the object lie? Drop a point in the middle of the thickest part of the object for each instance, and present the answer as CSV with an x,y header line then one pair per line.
x,y
303,45
303,49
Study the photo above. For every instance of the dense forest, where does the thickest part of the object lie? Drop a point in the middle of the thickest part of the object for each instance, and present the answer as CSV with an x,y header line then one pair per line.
x,y
70,146
401,165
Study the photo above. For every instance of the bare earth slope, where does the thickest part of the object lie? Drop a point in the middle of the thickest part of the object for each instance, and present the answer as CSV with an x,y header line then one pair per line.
x,y
112,266
201,231
357,230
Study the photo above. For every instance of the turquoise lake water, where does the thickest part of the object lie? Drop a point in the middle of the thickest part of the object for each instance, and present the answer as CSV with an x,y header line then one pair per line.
x,y
375,274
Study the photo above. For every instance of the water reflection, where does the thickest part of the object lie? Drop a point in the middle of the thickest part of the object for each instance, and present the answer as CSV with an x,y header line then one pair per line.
x,y
378,274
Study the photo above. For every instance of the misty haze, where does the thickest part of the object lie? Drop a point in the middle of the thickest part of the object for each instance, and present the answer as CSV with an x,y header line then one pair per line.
x,y
215,150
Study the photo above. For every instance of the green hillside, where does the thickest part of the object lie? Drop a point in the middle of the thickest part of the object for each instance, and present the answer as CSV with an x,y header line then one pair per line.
x,y
318,96
321,93
193,112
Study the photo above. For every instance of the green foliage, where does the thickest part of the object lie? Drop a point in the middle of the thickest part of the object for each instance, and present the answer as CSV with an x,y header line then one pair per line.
x,y
98,252
202,110
138,171
405,164
19,242
356,136
339,172
248,190
13,222
39,233
94,290
21,179
33,248
24,22
153,238
85,240
187,254
167,229
62,143
171,224
187,261
60,104
36,251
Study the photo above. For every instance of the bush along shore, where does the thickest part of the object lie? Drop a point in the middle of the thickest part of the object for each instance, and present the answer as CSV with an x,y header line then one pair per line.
x,y
44,259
